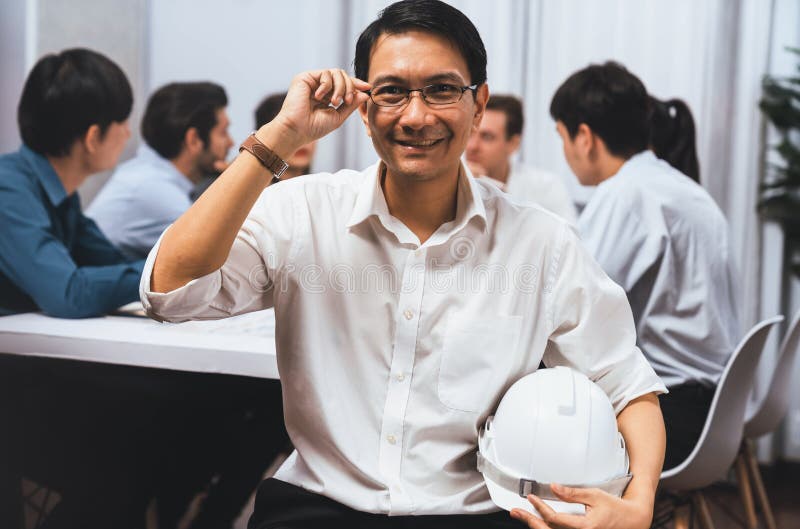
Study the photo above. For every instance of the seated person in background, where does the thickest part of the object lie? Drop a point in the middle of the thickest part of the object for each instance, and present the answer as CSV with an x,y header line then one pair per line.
x,y
73,120
300,161
672,136
490,151
387,383
660,236
72,117
185,128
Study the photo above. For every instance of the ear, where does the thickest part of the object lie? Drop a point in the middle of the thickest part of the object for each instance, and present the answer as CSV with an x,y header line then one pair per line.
x,y
92,139
585,139
481,97
362,111
192,141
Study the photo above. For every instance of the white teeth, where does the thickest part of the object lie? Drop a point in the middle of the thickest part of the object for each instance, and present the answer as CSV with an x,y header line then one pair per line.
x,y
418,143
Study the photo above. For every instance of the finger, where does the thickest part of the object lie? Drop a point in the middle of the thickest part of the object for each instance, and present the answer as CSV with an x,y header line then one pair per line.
x,y
339,87
554,518
576,495
350,90
345,109
533,521
325,85
360,85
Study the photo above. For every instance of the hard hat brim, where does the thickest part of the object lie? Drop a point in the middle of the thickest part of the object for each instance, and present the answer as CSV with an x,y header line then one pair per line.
x,y
505,499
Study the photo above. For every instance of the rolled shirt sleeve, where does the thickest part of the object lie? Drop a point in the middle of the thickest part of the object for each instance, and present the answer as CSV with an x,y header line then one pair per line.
x,y
593,328
244,283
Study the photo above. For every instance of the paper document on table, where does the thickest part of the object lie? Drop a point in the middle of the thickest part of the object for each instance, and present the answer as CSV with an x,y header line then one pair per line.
x,y
134,308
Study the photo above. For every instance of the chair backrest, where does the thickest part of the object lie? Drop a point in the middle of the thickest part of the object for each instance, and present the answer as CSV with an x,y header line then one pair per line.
x,y
722,433
766,416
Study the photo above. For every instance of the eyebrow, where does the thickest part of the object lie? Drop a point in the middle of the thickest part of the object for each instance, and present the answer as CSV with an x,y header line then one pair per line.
x,y
445,76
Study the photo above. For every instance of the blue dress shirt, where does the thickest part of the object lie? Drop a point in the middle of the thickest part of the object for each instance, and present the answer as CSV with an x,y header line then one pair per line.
x,y
53,258
143,197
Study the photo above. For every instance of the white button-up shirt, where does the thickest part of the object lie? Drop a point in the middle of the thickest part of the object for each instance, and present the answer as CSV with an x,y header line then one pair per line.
x,y
546,189
664,240
392,353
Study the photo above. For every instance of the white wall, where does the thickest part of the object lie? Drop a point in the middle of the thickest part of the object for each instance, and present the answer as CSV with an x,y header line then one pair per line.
x,y
12,69
252,48
115,28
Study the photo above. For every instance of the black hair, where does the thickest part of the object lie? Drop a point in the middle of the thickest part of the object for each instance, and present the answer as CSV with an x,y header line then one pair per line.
x,y
269,108
611,101
175,108
511,106
431,16
67,93
672,135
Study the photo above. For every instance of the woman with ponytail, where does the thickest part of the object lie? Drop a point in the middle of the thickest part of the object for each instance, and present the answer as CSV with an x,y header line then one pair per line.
x,y
672,135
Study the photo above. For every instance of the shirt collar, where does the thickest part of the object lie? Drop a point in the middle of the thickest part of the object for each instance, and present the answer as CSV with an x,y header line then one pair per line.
x,y
46,175
644,157
147,153
370,200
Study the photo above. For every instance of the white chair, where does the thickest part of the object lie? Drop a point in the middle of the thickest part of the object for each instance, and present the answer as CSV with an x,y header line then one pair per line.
x,y
764,416
719,441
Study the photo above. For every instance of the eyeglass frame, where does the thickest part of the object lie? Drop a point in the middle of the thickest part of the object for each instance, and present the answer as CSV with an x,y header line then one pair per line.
x,y
421,91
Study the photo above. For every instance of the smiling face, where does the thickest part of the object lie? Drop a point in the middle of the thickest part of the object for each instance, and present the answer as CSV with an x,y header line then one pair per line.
x,y
419,141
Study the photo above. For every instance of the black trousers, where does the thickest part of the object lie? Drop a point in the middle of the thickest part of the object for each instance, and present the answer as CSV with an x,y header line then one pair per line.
x,y
280,505
110,438
685,409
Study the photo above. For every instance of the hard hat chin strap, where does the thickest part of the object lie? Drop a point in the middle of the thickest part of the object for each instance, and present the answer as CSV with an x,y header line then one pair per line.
x,y
524,486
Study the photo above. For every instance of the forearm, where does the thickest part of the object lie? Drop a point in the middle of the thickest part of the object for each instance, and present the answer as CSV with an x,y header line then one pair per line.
x,y
199,242
642,426
89,291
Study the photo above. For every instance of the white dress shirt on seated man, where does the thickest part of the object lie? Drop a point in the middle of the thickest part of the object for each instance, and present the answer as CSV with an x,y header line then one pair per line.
x,y
662,237
534,185
392,353
144,196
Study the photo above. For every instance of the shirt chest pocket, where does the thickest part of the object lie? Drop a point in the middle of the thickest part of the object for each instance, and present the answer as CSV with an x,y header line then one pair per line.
x,y
476,358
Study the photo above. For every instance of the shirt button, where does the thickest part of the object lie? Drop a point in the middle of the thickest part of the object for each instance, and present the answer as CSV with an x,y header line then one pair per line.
x,y
417,252
401,377
391,438
408,314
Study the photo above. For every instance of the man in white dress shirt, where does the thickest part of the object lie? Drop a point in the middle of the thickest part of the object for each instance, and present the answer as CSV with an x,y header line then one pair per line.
x,y
408,296
660,236
490,151
185,128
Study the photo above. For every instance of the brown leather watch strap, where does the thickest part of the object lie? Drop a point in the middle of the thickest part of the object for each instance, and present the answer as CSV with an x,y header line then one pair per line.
x,y
274,163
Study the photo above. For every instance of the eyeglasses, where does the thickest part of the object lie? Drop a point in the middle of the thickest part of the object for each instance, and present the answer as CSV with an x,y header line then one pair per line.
x,y
433,94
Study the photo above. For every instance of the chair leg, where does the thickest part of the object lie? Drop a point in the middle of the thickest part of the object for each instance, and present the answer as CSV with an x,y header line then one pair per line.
x,y
682,516
761,492
745,490
703,512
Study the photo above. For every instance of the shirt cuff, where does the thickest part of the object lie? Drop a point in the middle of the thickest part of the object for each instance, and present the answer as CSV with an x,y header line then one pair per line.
x,y
630,380
181,304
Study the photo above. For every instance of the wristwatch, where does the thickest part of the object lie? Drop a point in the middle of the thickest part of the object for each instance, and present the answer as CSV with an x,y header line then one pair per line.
x,y
274,163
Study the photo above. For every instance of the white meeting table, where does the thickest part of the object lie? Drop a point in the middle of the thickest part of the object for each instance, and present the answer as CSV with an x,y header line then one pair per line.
x,y
241,345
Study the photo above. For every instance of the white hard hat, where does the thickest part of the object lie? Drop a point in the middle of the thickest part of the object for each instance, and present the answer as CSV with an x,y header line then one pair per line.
x,y
552,426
